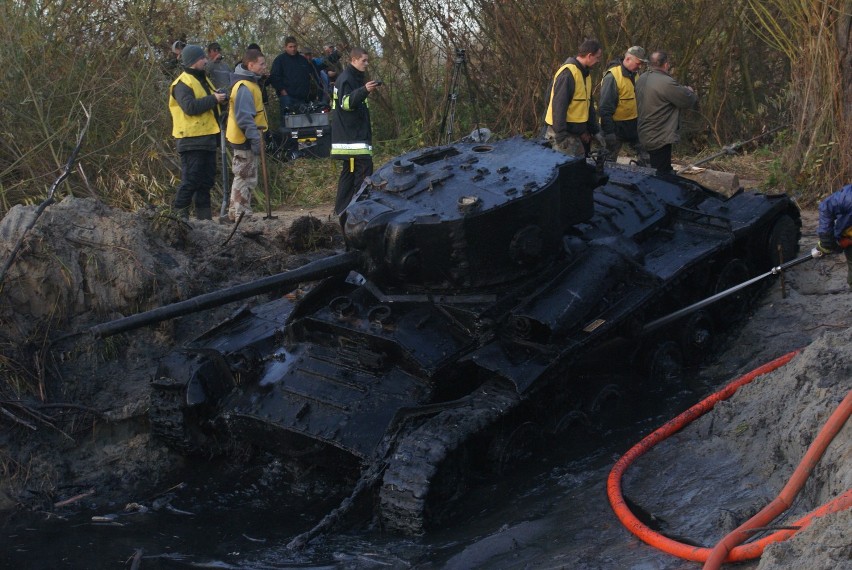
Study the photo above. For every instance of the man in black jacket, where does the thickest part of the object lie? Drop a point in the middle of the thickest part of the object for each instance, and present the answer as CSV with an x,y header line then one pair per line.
x,y
194,106
570,116
351,134
618,105
290,76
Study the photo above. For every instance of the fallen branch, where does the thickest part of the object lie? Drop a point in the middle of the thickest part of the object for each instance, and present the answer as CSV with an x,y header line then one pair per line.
x,y
233,231
50,197
73,499
16,419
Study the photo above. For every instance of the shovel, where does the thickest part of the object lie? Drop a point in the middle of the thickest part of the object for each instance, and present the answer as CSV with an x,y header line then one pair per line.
x,y
268,215
226,191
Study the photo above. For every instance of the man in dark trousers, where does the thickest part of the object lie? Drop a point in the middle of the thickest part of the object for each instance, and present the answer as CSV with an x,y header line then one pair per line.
x,y
835,227
194,106
659,99
618,104
570,116
351,134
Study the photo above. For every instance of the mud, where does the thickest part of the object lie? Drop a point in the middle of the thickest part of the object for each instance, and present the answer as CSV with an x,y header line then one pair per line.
x,y
84,263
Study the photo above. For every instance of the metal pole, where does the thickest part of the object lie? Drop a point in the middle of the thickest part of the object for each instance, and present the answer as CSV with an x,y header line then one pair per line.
x,y
654,325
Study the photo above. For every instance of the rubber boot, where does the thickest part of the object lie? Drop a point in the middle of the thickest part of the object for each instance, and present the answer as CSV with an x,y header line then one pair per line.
x,y
203,214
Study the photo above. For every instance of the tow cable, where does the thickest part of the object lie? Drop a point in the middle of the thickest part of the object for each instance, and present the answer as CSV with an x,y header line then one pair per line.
x,y
730,548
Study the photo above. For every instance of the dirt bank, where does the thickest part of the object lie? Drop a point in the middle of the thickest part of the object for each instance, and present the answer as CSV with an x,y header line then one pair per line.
x,y
73,410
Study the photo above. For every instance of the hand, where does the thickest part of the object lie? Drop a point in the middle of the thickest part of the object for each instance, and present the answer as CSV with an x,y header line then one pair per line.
x,y
586,138
220,97
372,85
827,244
601,139
610,139
816,253
255,146
283,93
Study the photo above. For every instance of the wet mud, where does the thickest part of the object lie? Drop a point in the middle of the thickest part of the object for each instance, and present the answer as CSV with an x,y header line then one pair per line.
x,y
85,263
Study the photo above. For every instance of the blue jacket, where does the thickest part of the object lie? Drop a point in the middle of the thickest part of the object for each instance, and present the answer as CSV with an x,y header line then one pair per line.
x,y
835,213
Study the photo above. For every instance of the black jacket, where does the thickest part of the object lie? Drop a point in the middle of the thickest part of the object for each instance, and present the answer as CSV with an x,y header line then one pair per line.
x,y
293,73
351,134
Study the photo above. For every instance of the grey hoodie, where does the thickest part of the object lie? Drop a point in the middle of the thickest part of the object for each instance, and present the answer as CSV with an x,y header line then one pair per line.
x,y
244,110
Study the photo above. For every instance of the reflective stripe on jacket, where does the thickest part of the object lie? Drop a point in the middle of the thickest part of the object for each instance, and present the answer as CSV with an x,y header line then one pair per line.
x,y
351,132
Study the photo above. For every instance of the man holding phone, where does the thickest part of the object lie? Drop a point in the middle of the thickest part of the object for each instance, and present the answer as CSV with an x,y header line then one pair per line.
x,y
351,133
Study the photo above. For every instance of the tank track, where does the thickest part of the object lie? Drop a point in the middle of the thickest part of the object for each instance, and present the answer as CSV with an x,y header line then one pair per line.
x,y
419,455
166,416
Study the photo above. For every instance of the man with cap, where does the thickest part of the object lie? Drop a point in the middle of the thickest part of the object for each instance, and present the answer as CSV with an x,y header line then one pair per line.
x,y
217,70
659,99
194,106
570,115
618,104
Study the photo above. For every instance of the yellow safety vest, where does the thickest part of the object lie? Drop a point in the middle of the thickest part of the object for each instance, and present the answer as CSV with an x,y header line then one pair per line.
x,y
184,125
578,110
233,132
626,108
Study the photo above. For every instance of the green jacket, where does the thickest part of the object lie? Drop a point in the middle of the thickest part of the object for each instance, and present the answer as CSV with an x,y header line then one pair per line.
x,y
659,99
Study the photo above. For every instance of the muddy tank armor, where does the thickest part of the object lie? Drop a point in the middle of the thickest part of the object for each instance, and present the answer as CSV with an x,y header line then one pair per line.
x,y
479,280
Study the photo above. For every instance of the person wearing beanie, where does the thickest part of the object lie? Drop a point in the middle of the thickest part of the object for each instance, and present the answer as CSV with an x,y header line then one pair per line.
x,y
194,106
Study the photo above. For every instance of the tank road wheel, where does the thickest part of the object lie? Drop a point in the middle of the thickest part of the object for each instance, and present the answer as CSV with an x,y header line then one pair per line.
x,y
732,307
515,445
696,337
430,464
784,235
664,365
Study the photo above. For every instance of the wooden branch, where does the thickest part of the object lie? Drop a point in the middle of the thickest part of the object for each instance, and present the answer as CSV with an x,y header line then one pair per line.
x,y
73,499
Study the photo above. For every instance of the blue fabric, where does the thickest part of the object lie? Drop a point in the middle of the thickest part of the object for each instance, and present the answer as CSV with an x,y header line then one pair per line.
x,y
835,213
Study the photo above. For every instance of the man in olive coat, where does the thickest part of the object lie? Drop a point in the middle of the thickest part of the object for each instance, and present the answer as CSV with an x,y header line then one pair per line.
x,y
659,99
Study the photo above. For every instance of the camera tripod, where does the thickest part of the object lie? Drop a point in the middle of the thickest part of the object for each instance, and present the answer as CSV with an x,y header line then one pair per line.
x,y
449,118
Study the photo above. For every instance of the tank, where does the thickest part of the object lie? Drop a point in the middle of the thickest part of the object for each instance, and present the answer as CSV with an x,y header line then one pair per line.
x,y
481,285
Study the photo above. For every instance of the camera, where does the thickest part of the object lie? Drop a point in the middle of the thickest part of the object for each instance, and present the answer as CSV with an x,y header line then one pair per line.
x,y
379,82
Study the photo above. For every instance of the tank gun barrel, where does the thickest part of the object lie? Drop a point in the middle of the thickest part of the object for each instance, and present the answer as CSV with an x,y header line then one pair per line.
x,y
313,271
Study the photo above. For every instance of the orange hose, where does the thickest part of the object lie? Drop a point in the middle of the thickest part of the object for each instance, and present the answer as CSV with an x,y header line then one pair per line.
x,y
685,551
785,498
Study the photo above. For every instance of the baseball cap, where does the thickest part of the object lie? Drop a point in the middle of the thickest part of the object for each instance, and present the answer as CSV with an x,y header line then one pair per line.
x,y
638,52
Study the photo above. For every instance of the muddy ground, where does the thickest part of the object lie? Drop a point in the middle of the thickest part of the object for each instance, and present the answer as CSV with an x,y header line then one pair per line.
x,y
72,408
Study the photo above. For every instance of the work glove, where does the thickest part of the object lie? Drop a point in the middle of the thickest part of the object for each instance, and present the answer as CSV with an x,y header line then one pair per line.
x,y
255,147
827,244
601,139
610,139
816,253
